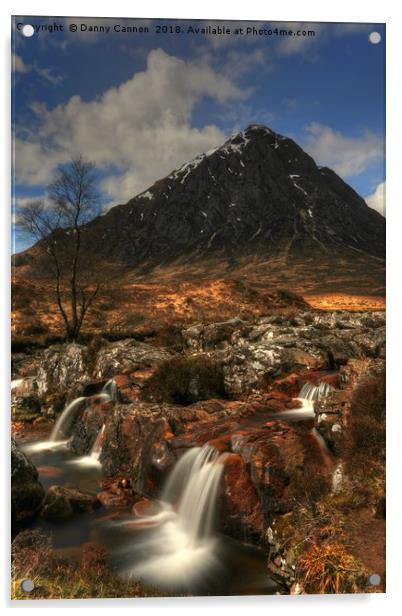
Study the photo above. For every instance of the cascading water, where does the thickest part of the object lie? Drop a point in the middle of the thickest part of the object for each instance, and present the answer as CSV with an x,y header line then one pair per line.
x,y
97,446
315,392
64,422
93,458
308,395
62,429
181,549
110,389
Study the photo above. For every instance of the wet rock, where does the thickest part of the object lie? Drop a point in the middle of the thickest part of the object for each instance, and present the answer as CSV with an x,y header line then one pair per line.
x,y
26,491
61,367
62,503
130,434
126,356
242,514
88,424
117,493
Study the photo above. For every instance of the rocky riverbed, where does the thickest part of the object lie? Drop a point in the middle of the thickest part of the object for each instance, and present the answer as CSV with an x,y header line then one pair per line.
x,y
235,385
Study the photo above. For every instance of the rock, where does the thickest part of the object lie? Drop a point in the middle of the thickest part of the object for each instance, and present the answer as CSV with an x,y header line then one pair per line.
x,y
117,493
216,335
61,367
273,347
62,503
88,424
130,435
126,356
244,367
25,386
242,511
26,491
332,412
25,408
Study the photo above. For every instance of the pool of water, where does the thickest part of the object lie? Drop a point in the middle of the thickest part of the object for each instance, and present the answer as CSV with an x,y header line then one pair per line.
x,y
232,567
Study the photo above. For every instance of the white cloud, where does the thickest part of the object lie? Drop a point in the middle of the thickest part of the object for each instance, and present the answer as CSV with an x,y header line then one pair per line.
x,y
48,75
348,156
141,129
18,65
377,199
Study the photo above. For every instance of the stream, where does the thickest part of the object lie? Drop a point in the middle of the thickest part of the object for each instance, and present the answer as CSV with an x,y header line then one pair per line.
x,y
178,548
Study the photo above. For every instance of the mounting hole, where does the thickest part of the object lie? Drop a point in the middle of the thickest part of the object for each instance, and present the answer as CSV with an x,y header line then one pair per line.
x,y
374,579
27,585
374,38
28,30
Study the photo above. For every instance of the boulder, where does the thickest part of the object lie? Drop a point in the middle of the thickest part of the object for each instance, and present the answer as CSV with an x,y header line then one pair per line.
x,y
201,338
127,356
117,493
61,367
26,491
25,408
62,503
242,514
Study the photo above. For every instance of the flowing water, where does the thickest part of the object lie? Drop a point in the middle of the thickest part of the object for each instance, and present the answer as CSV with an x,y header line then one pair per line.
x,y
182,547
61,432
178,548
315,392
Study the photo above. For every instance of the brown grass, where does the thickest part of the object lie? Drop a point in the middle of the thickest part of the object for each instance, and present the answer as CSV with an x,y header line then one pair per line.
x,y
330,569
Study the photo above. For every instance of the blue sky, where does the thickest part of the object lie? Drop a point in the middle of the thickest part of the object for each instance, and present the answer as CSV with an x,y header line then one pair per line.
x,y
140,105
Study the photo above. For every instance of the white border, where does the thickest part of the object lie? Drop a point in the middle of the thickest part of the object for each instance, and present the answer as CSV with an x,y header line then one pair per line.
x,y
293,10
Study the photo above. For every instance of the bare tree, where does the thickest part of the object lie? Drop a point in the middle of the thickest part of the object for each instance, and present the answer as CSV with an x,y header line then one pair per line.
x,y
57,224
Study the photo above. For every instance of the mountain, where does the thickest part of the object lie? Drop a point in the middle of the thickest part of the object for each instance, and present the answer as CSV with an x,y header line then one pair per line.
x,y
257,194
257,206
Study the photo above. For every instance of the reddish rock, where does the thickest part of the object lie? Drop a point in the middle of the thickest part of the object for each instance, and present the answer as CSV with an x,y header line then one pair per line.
x,y
122,380
242,511
221,443
290,384
117,493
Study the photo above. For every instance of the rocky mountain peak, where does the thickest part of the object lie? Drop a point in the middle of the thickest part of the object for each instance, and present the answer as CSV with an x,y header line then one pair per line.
x,y
258,194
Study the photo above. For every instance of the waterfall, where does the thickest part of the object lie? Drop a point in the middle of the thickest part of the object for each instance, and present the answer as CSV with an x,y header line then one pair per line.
x,y
315,392
97,446
326,454
181,549
62,427
92,461
111,390
65,421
